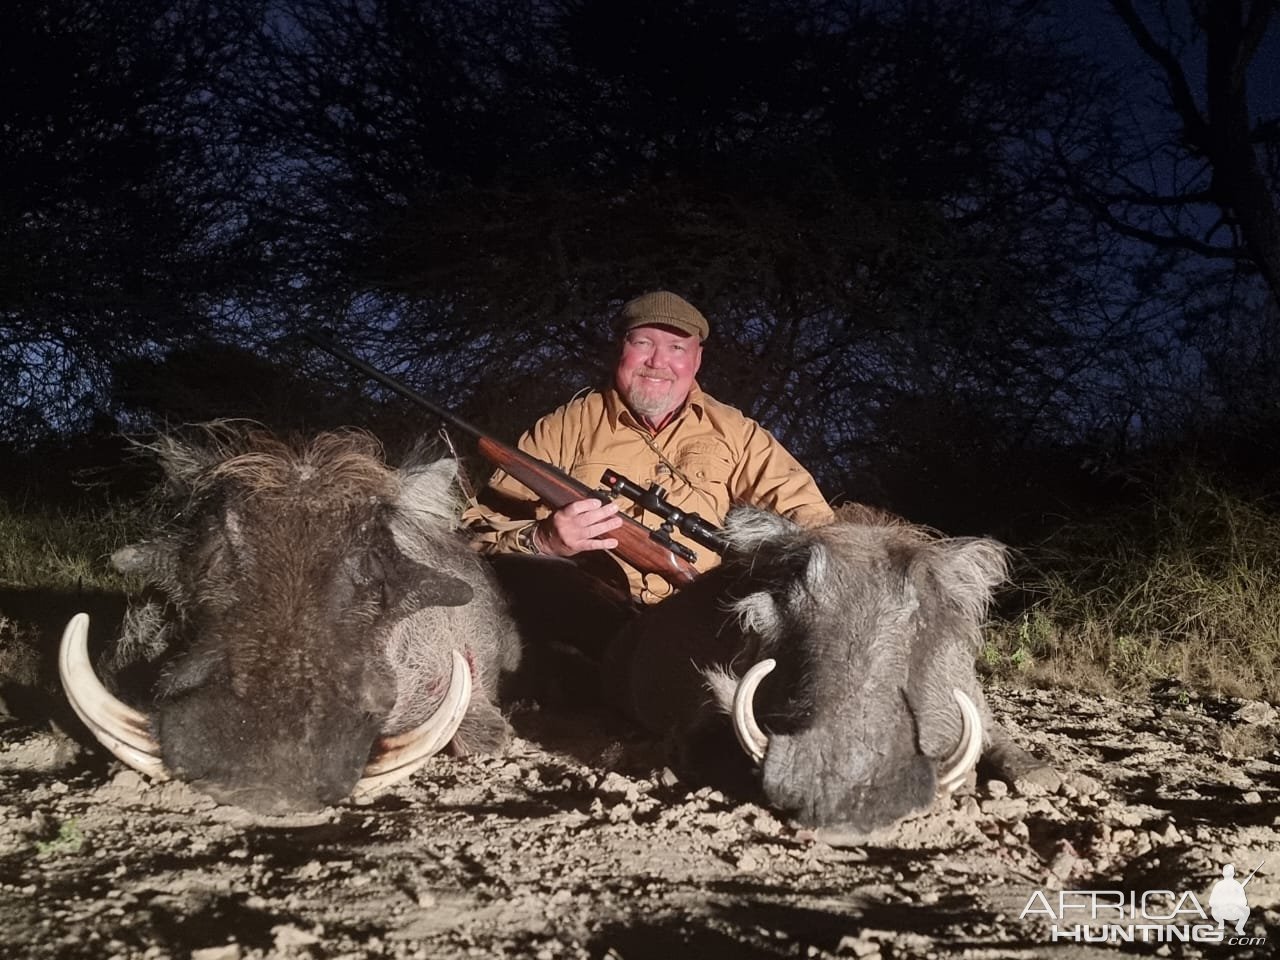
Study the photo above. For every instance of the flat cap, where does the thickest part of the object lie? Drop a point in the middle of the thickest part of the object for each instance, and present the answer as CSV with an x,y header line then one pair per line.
x,y
664,308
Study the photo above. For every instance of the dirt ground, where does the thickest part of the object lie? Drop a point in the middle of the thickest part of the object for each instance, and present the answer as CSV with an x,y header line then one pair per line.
x,y
578,842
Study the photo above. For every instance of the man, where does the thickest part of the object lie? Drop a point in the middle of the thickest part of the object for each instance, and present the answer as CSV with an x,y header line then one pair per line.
x,y
653,424
1227,900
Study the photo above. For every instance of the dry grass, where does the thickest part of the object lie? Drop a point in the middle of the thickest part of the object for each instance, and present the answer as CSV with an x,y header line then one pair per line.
x,y
40,547
1183,590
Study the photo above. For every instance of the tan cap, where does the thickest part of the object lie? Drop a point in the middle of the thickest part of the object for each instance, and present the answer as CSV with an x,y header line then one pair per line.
x,y
666,309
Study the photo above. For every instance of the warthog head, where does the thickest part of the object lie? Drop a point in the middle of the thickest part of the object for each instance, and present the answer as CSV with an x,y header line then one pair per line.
x,y
306,646
842,657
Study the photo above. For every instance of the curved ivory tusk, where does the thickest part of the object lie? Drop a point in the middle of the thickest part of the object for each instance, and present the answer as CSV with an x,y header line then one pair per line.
x,y
395,757
120,728
955,768
752,738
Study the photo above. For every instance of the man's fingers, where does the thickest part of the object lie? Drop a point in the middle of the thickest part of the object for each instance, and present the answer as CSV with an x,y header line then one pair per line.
x,y
580,525
599,544
585,509
594,529
586,536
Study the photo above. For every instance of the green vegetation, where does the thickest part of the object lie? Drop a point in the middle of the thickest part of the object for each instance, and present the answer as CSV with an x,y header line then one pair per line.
x,y
1182,588
69,839
65,548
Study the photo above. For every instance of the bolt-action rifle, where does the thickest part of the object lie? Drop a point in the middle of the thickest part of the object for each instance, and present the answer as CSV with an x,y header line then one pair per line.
x,y
648,550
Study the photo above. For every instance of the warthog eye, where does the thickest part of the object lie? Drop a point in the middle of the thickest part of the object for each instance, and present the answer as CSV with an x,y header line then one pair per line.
x,y
367,573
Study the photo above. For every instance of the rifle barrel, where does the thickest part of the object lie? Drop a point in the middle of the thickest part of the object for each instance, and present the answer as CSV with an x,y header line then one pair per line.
x,y
373,373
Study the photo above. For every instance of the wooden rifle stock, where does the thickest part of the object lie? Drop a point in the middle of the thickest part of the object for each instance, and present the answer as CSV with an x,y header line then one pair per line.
x,y
636,542
556,489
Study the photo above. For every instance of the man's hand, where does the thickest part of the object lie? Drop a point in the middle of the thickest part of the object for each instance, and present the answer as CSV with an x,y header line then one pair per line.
x,y
576,527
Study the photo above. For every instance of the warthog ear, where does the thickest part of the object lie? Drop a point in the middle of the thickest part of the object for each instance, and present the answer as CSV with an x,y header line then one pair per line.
x,y
429,492
968,570
748,527
147,558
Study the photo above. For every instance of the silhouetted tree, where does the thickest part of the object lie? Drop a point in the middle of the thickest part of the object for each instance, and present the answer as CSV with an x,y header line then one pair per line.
x,y
121,200
854,192
1207,179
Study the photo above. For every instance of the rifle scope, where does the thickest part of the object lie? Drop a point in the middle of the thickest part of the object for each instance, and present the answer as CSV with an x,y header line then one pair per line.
x,y
655,501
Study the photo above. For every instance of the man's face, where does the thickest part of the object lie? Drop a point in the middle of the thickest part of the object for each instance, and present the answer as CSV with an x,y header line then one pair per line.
x,y
656,369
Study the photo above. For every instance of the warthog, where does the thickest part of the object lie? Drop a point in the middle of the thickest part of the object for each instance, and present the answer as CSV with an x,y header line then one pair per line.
x,y
326,628
841,656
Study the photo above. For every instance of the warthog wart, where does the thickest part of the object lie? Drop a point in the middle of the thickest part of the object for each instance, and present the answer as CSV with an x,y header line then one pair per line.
x,y
325,628
842,657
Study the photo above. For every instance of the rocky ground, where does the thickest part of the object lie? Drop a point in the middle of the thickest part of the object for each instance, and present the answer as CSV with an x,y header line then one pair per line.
x,y
580,844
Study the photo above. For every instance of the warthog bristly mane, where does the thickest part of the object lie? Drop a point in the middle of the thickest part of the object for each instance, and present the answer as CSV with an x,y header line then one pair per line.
x,y
315,599
331,469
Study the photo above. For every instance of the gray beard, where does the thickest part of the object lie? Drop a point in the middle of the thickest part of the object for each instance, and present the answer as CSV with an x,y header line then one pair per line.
x,y
648,407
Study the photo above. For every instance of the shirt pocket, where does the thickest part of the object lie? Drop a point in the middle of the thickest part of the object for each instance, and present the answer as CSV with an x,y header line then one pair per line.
x,y
707,464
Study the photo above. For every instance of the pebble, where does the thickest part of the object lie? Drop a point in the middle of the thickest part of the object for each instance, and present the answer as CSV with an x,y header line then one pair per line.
x,y
128,780
1253,796
767,824
1256,711
620,813
1085,785
287,935
1030,788
230,951
858,947
1128,818
1063,861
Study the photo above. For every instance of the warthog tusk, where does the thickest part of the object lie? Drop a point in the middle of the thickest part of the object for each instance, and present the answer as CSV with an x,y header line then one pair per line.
x,y
395,757
752,738
956,767
120,728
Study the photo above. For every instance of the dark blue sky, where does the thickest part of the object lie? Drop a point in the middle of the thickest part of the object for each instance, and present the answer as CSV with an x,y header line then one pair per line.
x,y
1102,35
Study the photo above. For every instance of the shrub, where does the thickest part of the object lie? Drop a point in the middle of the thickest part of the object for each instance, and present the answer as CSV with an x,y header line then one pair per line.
x,y
1183,588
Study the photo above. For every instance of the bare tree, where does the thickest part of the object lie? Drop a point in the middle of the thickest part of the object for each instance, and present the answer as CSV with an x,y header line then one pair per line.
x,y
1208,183
852,190
123,208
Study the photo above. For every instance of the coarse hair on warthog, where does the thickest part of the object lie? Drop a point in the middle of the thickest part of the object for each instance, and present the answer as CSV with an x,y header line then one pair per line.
x,y
325,629
842,656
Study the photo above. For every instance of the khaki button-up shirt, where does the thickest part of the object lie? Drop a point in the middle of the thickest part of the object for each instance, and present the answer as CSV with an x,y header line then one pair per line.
x,y
709,457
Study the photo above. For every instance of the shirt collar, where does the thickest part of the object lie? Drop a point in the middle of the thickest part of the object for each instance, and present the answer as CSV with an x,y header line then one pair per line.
x,y
618,413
